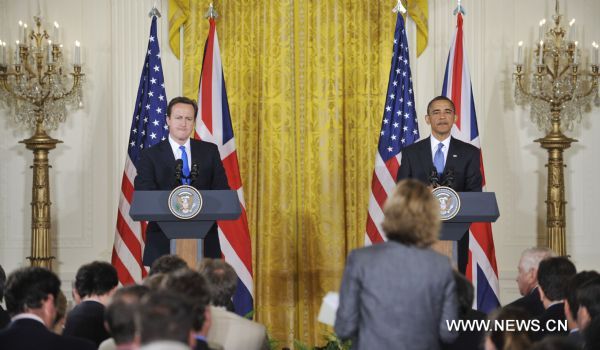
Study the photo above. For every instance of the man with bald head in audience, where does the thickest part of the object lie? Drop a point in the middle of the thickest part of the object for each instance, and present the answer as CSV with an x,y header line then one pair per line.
x,y
528,282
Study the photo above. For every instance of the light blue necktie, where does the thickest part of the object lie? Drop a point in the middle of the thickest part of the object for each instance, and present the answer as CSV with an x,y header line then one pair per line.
x,y
186,167
438,159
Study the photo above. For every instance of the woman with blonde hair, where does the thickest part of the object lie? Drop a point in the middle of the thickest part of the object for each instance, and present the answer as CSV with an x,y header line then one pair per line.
x,y
400,294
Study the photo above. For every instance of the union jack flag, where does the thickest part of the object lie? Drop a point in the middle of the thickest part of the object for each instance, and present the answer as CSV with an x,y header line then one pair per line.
x,y
481,267
148,127
399,129
213,124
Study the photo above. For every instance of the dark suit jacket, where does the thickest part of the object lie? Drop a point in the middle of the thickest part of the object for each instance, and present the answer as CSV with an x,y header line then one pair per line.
x,y
86,320
156,171
4,318
530,303
556,313
28,334
463,159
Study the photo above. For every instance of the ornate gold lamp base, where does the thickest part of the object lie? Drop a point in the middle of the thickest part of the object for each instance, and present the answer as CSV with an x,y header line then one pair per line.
x,y
41,144
556,142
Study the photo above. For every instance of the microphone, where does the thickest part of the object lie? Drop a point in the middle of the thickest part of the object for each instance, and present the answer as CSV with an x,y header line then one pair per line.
x,y
449,177
178,170
434,179
194,173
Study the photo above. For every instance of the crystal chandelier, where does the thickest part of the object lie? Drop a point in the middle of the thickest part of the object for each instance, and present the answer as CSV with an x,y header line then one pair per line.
x,y
35,88
559,90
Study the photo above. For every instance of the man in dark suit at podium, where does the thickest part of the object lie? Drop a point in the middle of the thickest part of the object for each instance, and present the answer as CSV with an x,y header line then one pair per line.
x,y
443,159
198,163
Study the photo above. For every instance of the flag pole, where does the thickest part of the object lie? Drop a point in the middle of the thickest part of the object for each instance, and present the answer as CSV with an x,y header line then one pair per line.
x,y
154,11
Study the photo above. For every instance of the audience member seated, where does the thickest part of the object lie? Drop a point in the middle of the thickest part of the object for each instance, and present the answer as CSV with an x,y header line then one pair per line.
x,y
552,276
192,285
4,316
467,339
167,264
555,342
399,294
514,339
120,318
527,280
588,314
572,303
155,281
31,294
227,328
164,321
95,283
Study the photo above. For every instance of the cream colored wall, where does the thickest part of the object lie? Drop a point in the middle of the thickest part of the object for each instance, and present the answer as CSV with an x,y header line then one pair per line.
x,y
87,168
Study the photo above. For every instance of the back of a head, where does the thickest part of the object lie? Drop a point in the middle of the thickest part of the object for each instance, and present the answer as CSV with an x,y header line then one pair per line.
x,y
552,274
193,286
96,278
222,280
164,315
411,214
588,296
572,287
167,264
531,257
120,313
155,281
509,340
28,288
465,293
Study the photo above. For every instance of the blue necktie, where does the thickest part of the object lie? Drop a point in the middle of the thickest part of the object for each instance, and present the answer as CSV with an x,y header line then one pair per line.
x,y
438,159
186,167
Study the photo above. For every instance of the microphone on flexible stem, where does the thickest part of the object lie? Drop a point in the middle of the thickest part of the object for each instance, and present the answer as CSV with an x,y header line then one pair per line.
x,y
178,170
449,178
193,173
434,179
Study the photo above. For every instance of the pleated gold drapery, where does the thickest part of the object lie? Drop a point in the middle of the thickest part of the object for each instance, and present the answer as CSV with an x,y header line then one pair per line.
x,y
306,82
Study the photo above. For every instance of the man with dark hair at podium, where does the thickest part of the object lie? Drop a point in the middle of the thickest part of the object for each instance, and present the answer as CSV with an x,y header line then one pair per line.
x,y
442,159
200,167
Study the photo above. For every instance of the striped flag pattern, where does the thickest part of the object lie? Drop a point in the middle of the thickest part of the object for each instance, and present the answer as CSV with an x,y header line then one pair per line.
x,y
399,129
213,124
148,127
482,270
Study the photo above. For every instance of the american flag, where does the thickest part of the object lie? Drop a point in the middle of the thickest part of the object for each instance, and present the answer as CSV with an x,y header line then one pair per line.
x,y
213,124
399,129
481,266
148,127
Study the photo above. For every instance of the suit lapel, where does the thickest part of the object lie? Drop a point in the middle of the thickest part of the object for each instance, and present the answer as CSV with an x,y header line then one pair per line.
x,y
425,155
453,158
166,151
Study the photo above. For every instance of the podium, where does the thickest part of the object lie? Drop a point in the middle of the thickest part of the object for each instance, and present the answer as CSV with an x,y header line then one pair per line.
x,y
153,206
475,207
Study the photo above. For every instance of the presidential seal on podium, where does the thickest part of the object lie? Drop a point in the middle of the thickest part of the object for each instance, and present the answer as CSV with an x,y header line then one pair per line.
x,y
185,202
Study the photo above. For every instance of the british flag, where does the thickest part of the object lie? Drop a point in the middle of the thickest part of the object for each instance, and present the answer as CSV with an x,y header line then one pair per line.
x,y
213,124
148,127
481,267
399,129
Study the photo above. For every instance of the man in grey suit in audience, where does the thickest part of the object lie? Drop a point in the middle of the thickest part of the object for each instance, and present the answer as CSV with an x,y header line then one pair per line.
x,y
400,294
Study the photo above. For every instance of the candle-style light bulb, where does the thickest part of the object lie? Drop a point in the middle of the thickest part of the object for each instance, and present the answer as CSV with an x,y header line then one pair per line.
x,y
17,53
520,53
541,55
49,53
575,55
595,49
24,33
572,30
56,32
541,29
77,54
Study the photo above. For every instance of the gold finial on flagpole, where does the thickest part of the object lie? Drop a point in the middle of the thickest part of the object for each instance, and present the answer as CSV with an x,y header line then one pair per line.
x,y
211,13
399,8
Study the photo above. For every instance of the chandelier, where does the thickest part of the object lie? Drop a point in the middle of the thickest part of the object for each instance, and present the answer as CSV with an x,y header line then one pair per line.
x,y
559,89
36,91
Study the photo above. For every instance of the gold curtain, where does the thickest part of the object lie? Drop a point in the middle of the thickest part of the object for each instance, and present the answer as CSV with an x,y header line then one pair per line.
x,y
306,83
